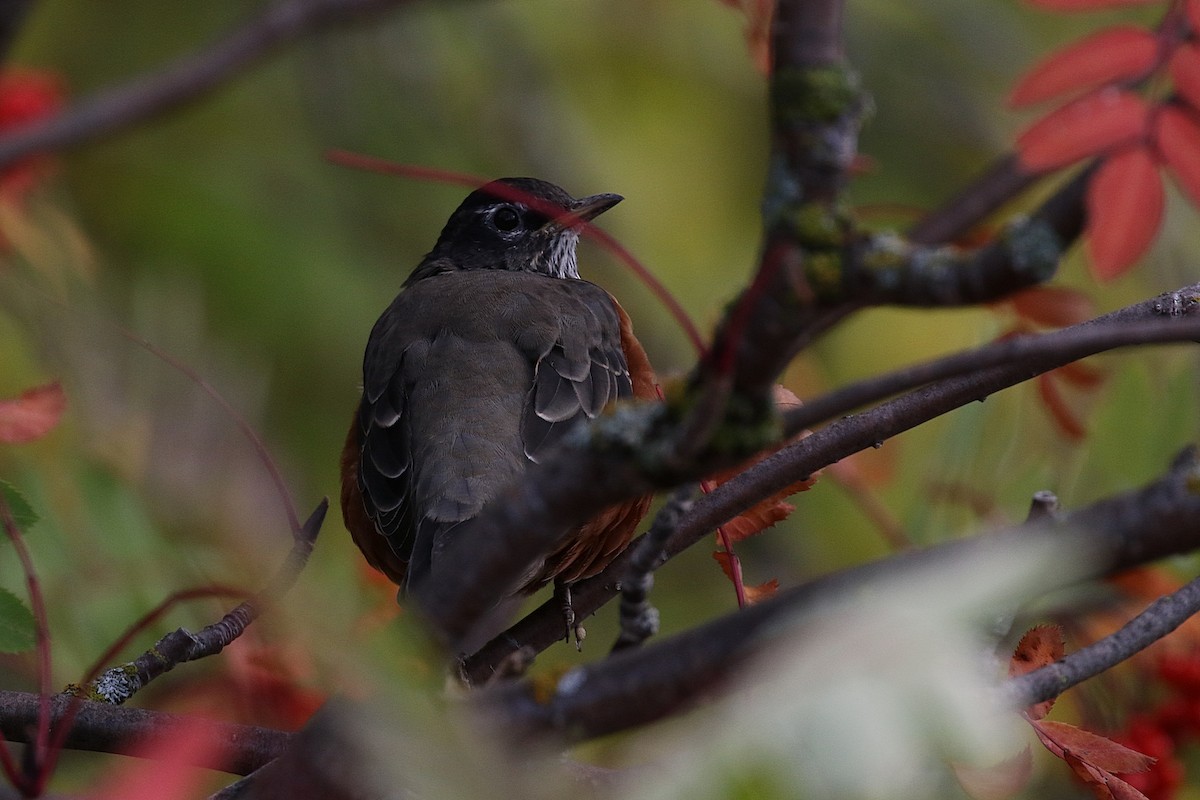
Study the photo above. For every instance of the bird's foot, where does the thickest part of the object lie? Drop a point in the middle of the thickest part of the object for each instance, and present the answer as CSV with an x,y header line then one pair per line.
x,y
571,625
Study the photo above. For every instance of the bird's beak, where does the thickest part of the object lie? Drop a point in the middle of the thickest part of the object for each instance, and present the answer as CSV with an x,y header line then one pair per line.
x,y
586,209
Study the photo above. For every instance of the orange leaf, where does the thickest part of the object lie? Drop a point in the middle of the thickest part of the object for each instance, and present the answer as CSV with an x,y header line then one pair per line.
x,y
757,519
1092,749
761,592
1086,5
1185,73
1108,56
1065,419
1079,374
1125,206
997,781
753,593
1052,306
32,415
1041,645
1089,126
1178,139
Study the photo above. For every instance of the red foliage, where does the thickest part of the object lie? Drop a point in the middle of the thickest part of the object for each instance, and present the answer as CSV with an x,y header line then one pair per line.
x,y
732,570
1052,306
164,770
1109,56
32,415
1177,134
758,29
1041,645
26,96
1094,124
1125,207
1185,73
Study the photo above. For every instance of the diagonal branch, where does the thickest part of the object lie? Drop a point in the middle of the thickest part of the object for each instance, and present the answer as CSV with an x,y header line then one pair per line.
x,y
188,78
1158,619
948,384
637,687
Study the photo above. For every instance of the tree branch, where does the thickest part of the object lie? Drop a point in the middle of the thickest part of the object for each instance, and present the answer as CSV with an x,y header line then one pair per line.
x,y
948,383
188,78
636,687
104,728
1160,618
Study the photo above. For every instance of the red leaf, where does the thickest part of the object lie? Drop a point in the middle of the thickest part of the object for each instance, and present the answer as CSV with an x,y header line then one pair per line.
x,y
1079,374
1178,140
32,415
1091,748
1093,124
26,95
1086,5
1185,73
1068,425
166,769
1125,206
997,781
1041,645
757,519
1192,7
1052,306
1109,56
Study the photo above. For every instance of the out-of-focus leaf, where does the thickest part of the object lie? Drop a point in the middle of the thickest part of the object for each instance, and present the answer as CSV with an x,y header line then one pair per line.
x,y
17,632
1089,126
1178,139
1052,306
22,513
32,415
1064,418
1108,56
1185,73
1125,207
999,780
166,769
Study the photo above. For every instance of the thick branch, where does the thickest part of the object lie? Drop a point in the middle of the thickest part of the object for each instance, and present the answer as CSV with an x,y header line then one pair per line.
x,y
109,729
960,379
639,686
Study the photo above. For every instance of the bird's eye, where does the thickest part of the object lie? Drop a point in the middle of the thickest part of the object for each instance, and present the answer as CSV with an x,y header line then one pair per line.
x,y
506,219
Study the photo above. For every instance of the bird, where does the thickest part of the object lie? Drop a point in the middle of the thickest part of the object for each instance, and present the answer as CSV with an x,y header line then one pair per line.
x,y
492,351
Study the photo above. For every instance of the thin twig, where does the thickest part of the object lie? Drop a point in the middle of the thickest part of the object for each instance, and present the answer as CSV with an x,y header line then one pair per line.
x,y
34,774
1160,618
119,683
639,619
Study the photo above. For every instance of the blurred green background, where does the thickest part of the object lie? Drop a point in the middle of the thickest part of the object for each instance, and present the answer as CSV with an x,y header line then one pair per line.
x,y
220,233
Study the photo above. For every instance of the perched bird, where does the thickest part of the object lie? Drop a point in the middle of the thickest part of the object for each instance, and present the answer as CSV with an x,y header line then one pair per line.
x,y
493,350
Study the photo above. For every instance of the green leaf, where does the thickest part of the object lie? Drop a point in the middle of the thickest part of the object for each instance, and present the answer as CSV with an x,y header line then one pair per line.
x,y
16,624
22,512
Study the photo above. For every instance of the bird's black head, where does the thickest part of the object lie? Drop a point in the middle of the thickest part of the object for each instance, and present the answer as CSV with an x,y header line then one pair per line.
x,y
519,224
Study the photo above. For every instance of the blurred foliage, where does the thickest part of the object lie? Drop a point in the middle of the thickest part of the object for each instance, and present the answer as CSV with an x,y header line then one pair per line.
x,y
220,234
